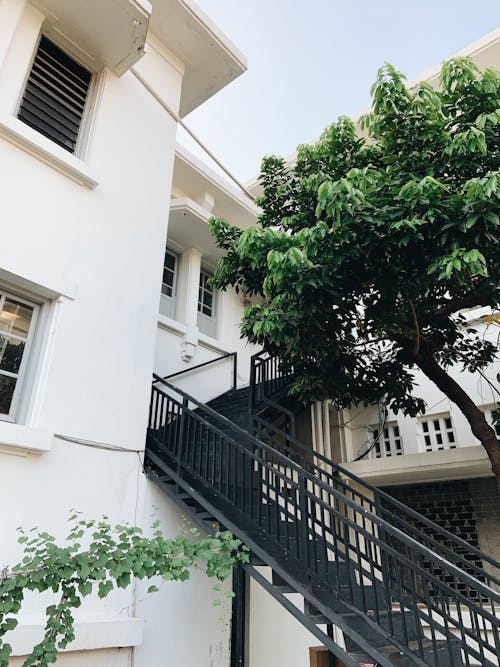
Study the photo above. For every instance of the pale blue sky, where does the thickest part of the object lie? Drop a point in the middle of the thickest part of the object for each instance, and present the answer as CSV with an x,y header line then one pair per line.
x,y
309,62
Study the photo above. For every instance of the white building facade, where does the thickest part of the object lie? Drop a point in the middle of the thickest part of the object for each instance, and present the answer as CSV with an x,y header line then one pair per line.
x,y
88,155
105,260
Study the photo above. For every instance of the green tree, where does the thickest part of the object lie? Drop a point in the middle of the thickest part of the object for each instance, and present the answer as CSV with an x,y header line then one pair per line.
x,y
374,240
111,557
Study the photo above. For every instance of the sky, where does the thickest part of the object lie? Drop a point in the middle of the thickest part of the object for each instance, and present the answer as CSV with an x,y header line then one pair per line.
x,y
311,61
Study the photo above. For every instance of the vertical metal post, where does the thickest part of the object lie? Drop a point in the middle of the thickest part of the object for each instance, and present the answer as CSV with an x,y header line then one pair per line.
x,y
238,618
332,661
304,532
251,395
235,369
180,444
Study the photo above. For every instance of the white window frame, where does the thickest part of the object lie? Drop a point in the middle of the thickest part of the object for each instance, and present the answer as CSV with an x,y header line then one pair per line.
x,y
389,442
207,324
436,432
87,118
168,304
25,363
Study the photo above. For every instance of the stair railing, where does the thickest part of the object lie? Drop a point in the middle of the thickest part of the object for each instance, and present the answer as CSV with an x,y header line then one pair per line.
x,y
451,547
268,377
322,528
228,355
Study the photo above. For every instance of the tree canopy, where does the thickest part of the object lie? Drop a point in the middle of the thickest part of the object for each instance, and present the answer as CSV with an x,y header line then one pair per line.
x,y
372,242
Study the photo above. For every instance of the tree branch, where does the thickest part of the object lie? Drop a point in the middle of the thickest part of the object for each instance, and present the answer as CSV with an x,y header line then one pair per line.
x,y
454,305
483,431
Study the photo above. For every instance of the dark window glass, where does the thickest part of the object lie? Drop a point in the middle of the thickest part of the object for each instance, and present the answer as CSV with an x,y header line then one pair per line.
x,y
7,386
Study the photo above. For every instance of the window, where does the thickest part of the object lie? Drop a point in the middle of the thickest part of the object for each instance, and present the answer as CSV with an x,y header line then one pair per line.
x,y
387,443
207,316
17,323
55,95
437,433
168,301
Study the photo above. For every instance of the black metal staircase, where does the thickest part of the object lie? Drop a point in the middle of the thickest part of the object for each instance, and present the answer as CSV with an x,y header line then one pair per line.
x,y
402,590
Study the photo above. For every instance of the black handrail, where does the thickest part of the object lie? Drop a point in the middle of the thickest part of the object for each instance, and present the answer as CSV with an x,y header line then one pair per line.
x,y
234,465
289,463
382,500
226,422
234,355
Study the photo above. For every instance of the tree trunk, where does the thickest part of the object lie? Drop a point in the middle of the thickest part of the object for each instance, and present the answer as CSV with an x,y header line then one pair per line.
x,y
485,433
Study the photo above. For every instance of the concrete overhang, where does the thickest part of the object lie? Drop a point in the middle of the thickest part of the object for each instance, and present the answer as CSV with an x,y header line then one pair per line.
x,y
460,463
211,60
106,33
188,228
194,178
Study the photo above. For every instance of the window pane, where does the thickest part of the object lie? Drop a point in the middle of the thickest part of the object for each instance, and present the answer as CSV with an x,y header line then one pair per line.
x,y
11,354
170,261
7,386
16,317
208,299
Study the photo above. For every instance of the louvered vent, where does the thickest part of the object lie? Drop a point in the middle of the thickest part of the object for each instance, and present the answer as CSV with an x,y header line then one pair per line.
x,y
55,95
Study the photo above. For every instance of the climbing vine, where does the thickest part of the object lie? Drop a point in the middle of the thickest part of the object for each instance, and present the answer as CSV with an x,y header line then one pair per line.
x,y
97,557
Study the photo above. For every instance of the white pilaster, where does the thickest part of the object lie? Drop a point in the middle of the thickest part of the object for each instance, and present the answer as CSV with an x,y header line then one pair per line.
x,y
188,302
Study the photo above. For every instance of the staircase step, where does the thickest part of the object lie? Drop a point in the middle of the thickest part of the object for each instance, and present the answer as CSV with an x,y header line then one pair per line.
x,y
438,655
405,627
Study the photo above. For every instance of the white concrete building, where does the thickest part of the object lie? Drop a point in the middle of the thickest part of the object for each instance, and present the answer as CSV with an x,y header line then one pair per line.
x,y
104,261
87,158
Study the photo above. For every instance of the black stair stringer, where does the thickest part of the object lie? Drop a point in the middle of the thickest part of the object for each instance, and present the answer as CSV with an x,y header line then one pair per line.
x,y
333,617
381,578
168,486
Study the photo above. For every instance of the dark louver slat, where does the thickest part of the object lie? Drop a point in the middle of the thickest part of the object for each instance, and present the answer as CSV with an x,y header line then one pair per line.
x,y
54,78
55,95
48,131
37,93
43,112
73,81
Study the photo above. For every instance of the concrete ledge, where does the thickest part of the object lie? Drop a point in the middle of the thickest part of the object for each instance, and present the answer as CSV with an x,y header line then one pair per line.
x,y
168,324
93,632
46,150
460,463
21,440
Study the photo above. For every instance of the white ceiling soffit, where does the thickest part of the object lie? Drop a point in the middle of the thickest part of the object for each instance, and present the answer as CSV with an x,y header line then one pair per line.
x,y
194,177
210,58
108,33
188,228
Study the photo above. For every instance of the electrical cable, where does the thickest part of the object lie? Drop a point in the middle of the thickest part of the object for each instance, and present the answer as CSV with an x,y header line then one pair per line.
x,y
98,445
382,417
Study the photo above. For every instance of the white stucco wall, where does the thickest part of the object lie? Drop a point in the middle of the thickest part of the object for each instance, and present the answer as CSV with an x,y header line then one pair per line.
x,y
182,627
275,636
87,237
102,658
